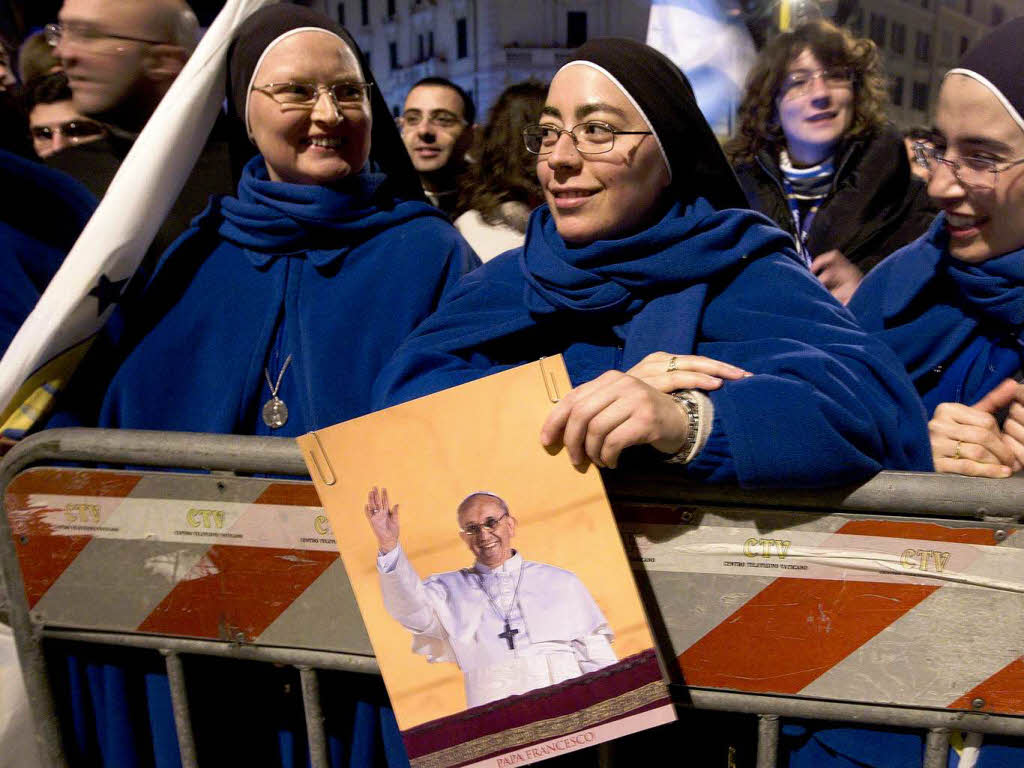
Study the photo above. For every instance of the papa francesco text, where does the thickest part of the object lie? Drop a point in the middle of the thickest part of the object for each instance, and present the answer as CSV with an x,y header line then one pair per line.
x,y
550,748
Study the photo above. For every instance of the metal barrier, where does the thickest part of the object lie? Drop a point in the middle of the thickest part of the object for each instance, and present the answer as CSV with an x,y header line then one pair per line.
x,y
705,559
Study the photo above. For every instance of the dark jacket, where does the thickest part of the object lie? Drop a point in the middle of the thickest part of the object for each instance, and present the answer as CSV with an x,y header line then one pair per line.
x,y
95,164
875,206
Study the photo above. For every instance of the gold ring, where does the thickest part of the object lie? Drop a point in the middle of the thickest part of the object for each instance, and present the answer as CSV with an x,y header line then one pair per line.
x,y
672,364
956,451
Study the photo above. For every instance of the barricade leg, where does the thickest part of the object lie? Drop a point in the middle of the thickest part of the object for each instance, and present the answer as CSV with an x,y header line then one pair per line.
x,y
936,748
179,702
767,741
314,717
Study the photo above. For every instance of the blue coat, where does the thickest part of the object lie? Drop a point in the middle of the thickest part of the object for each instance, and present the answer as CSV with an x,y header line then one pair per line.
x,y
957,327
334,277
43,213
827,404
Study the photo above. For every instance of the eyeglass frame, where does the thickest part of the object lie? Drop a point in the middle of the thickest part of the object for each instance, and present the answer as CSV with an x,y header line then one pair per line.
x,y
61,130
489,523
575,141
54,33
320,88
431,119
813,75
922,152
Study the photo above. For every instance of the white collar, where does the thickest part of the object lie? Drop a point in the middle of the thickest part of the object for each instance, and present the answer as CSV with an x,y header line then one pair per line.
x,y
512,565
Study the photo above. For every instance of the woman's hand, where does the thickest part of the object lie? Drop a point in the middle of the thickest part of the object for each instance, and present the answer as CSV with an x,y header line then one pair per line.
x,y
837,273
383,519
966,439
596,421
670,373
1013,426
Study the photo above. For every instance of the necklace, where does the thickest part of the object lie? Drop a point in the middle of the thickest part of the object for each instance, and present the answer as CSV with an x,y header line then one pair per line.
x,y
509,634
275,412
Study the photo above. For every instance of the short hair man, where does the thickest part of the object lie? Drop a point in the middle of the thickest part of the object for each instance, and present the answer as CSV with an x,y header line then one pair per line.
x,y
53,121
121,56
437,128
512,625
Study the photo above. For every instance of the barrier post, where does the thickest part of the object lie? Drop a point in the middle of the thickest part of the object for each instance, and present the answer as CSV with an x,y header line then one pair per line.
x,y
936,748
314,717
179,704
767,741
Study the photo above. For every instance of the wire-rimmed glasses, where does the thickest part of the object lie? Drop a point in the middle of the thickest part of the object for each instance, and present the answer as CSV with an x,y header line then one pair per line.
x,y
489,524
798,82
439,118
299,95
88,36
590,138
972,171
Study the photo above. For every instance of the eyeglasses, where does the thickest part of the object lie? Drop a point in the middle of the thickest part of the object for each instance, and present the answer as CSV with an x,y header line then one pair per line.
x,y
971,171
88,36
441,118
490,524
798,82
73,130
305,95
588,138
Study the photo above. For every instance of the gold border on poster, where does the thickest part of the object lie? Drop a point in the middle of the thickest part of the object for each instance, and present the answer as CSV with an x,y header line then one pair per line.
x,y
542,730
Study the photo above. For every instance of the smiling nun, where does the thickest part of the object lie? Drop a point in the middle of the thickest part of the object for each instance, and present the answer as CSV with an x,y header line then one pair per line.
x,y
686,325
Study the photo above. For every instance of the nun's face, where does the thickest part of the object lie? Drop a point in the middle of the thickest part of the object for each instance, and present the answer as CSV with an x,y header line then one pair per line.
x,y
986,218
602,196
317,146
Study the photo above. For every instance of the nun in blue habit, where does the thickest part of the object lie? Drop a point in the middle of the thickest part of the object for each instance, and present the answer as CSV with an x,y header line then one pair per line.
x,y
951,304
739,366
271,315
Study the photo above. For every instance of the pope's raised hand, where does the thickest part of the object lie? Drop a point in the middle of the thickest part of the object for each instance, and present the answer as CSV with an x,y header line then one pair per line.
x,y
383,519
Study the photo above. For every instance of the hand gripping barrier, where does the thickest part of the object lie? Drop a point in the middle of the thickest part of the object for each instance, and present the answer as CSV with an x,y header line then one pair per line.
x,y
899,602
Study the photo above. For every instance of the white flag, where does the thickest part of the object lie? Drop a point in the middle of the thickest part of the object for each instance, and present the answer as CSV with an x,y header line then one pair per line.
x,y
76,303
711,46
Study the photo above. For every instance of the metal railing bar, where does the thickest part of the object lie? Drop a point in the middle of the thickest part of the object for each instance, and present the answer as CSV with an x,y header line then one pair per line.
x,y
871,714
905,493
179,705
767,741
314,717
343,662
888,492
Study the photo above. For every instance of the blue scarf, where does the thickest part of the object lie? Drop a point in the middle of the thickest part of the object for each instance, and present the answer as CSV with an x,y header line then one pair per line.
x,y
929,307
272,218
637,294
806,189
691,245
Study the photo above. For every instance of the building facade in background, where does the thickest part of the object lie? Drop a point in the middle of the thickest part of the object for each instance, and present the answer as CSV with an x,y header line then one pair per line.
x,y
923,39
486,45
483,45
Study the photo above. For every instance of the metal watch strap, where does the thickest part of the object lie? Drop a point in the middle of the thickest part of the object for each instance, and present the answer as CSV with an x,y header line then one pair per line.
x,y
690,409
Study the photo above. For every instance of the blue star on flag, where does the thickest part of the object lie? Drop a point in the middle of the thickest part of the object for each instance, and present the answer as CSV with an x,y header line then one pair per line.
x,y
107,292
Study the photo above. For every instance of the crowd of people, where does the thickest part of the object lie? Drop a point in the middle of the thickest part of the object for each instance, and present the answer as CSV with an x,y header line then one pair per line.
x,y
803,307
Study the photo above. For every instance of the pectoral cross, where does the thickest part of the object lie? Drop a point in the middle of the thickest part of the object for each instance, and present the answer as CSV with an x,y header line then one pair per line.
x,y
509,636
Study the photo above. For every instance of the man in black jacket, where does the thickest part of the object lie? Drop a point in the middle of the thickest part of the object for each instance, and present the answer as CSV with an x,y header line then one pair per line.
x,y
121,57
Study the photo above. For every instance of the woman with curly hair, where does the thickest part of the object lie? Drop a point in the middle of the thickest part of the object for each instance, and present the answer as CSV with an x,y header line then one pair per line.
x,y
501,188
814,152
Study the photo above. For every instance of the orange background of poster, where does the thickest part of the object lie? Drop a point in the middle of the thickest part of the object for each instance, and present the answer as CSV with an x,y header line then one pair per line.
x,y
430,454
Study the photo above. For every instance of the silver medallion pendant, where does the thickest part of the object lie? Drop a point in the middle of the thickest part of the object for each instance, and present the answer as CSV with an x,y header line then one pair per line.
x,y
275,413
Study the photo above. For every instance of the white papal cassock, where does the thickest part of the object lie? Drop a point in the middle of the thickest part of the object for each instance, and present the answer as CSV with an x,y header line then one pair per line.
x,y
560,633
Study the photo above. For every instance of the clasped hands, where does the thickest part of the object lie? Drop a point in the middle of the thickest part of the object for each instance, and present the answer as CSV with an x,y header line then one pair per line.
x,y
968,440
597,420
